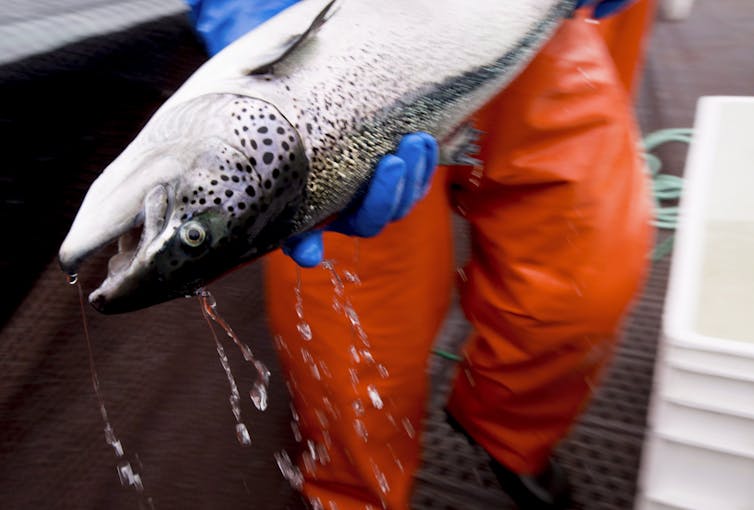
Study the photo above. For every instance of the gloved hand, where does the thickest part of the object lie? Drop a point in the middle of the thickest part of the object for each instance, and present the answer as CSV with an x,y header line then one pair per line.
x,y
604,8
220,22
399,180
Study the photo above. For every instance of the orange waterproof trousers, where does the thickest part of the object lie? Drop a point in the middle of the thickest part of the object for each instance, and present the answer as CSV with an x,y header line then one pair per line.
x,y
560,235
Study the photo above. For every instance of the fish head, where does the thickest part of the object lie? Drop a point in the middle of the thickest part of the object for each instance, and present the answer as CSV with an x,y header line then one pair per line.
x,y
207,185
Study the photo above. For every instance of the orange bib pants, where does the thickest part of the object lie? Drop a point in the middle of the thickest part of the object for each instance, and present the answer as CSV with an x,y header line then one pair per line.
x,y
559,218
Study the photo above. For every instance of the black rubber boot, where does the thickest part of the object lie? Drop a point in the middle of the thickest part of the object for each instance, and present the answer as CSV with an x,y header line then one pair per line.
x,y
548,490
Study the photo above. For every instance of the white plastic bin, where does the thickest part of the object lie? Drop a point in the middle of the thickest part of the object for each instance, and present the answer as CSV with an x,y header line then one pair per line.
x,y
699,453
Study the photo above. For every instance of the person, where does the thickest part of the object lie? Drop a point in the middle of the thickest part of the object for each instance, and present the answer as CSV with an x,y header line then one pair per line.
x,y
559,214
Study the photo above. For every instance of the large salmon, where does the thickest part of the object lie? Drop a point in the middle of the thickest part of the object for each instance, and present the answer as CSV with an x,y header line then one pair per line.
x,y
282,130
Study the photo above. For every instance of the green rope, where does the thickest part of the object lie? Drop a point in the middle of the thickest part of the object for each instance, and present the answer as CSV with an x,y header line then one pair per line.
x,y
447,355
664,187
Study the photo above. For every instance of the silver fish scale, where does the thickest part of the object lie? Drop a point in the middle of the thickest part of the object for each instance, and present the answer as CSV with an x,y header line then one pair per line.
x,y
360,112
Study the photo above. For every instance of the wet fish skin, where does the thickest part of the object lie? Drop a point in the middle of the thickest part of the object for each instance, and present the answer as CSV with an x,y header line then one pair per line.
x,y
269,139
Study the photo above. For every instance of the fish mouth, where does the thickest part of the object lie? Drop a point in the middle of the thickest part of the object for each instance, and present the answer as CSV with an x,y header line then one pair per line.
x,y
127,269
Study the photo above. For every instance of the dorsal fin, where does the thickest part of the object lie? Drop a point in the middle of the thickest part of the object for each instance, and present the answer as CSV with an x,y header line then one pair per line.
x,y
280,49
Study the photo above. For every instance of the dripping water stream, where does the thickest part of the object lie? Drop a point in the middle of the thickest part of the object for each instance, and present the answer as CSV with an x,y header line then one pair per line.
x,y
259,390
128,476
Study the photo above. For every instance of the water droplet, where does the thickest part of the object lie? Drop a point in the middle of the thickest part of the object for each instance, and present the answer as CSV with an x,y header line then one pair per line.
x,y
305,330
258,394
381,479
358,407
325,369
332,504
125,473
262,372
235,401
316,504
354,376
72,278
351,277
374,396
408,427
296,431
289,471
294,414
315,372
324,423
336,305
353,317
354,354
118,448
242,434
361,429
382,370
300,310
109,434
367,356
322,454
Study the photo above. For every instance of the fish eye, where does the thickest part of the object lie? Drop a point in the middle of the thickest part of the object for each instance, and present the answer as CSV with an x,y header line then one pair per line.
x,y
193,234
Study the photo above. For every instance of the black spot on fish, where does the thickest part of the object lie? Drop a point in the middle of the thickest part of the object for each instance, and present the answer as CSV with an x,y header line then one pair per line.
x,y
262,130
251,191
268,157
276,173
185,200
184,217
241,205
239,167
218,201
309,128
246,128
236,132
243,142
235,178
202,201
228,193
193,202
267,184
272,116
254,144
210,192
213,182
253,161
286,146
224,177
292,156
201,188
230,208
281,131
267,141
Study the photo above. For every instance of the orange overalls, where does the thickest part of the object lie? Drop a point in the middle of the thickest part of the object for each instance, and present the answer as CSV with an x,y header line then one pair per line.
x,y
559,216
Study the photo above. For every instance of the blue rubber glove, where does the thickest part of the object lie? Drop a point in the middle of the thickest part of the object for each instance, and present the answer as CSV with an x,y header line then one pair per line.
x,y
604,8
399,180
220,22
